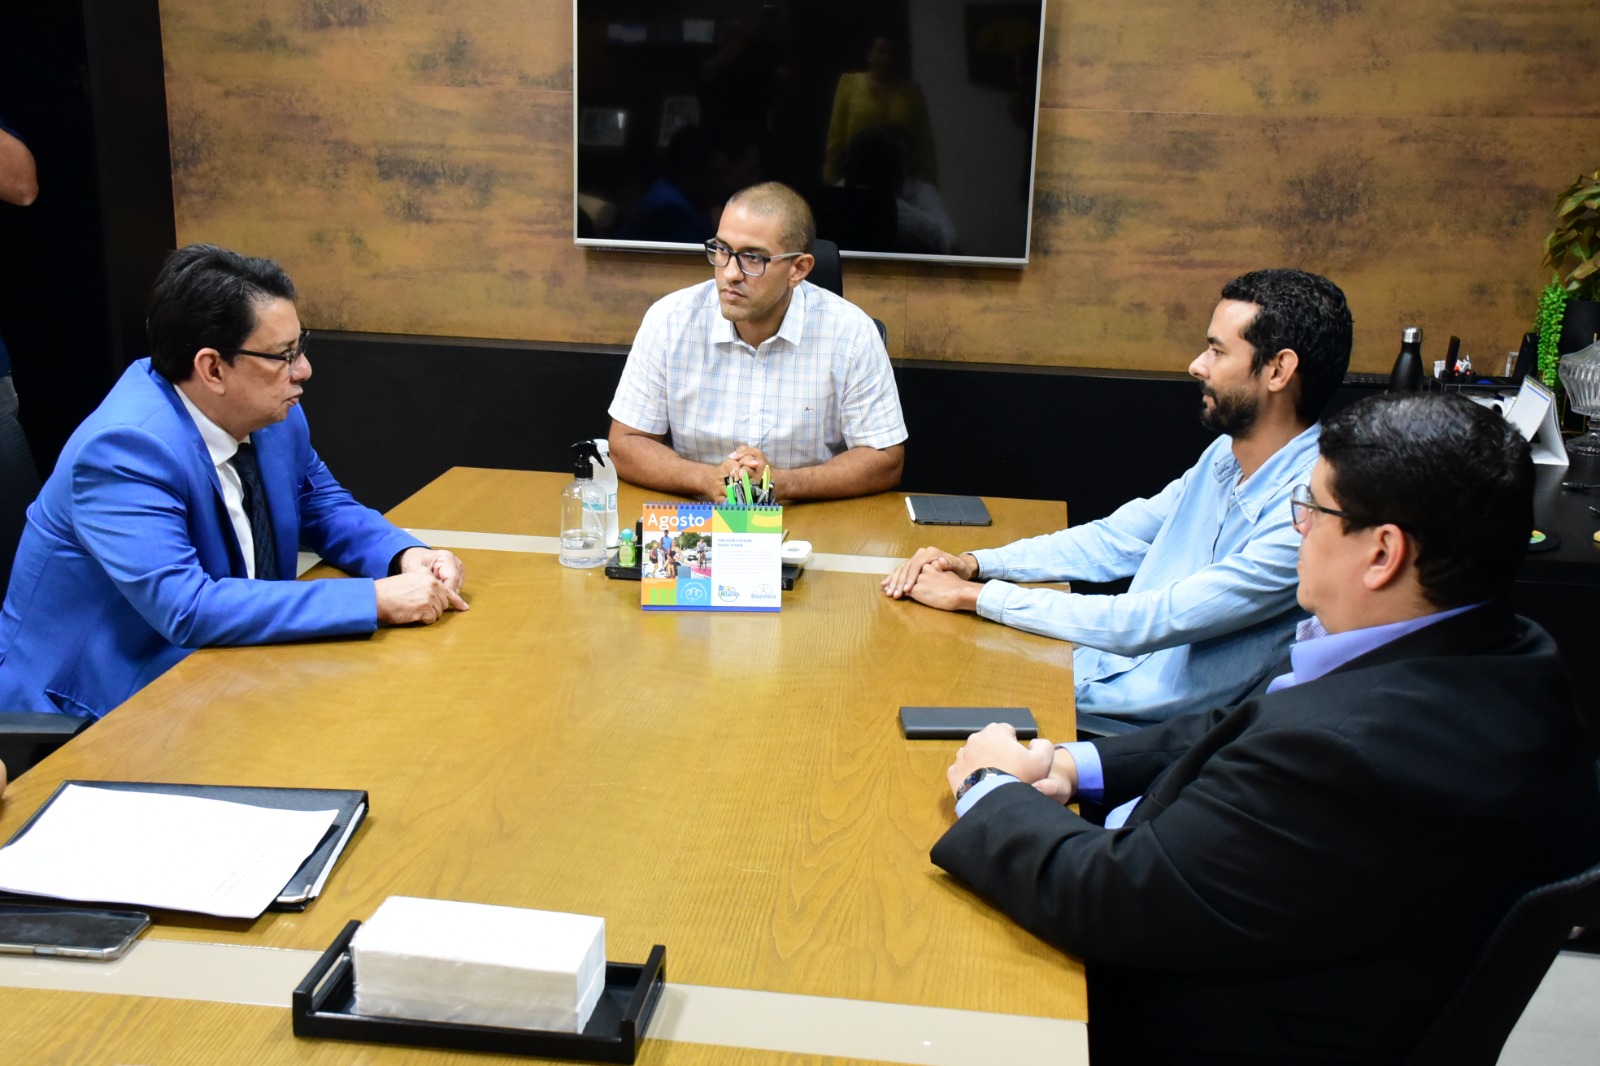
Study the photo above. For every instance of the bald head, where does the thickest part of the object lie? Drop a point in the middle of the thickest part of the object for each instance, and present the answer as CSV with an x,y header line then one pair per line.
x,y
772,199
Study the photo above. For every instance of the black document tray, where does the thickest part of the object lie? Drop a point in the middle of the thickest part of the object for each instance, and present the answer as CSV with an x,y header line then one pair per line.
x,y
323,1002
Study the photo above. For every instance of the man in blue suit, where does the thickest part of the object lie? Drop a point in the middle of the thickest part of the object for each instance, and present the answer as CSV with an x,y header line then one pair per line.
x,y
174,513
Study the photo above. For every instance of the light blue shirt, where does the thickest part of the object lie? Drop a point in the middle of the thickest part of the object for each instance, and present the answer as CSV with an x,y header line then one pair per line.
x,y
1212,603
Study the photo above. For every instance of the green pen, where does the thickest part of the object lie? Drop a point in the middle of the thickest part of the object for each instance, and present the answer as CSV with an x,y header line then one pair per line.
x,y
730,490
744,475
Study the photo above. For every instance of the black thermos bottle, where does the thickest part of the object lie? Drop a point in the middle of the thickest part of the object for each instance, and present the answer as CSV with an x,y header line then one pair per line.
x,y
1407,373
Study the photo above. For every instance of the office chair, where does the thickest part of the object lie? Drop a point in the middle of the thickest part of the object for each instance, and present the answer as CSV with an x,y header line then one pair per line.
x,y
26,737
1474,1025
19,484
828,272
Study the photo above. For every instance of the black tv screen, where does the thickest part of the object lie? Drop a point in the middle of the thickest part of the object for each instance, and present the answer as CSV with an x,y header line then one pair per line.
x,y
908,125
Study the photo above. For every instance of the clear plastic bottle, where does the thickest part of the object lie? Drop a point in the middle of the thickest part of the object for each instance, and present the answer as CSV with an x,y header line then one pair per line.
x,y
583,508
605,475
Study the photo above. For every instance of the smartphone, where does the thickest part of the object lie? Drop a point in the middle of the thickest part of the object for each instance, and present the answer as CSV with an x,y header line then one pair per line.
x,y
959,723
68,932
948,510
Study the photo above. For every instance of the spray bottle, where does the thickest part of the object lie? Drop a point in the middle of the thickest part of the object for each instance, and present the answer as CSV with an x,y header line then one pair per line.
x,y
605,475
583,512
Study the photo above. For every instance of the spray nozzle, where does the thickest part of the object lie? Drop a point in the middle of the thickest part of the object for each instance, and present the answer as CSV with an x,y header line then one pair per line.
x,y
583,453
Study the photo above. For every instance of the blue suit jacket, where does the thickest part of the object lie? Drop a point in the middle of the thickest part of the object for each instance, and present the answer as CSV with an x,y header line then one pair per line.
x,y
129,561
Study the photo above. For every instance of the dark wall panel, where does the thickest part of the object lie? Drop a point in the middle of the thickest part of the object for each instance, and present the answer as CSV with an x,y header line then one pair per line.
x,y
391,413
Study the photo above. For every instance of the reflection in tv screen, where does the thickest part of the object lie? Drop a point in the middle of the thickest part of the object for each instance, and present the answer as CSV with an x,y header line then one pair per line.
x,y
908,125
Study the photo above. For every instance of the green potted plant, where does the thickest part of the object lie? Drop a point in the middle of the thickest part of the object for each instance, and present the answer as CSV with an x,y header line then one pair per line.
x,y
1569,306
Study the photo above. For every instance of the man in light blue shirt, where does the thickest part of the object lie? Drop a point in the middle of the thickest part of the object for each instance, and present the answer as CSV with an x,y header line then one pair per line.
x,y
1212,556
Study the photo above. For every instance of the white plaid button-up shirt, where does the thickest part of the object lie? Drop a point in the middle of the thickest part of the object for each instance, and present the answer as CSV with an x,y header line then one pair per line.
x,y
821,385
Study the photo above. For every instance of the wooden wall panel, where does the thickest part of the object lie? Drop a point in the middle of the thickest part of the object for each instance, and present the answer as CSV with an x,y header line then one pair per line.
x,y
410,161
1487,58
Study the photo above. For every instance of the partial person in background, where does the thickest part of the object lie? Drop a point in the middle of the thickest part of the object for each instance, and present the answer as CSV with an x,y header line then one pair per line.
x,y
175,513
756,369
19,186
875,160
880,96
1306,877
679,207
1212,556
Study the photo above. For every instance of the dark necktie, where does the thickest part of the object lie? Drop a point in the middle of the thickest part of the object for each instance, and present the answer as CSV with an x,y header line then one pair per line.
x,y
255,505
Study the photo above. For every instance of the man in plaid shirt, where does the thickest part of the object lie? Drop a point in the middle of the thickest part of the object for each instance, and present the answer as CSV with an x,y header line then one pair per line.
x,y
759,369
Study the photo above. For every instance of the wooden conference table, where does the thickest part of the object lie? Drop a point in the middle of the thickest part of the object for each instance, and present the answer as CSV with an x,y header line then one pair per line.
x,y
732,786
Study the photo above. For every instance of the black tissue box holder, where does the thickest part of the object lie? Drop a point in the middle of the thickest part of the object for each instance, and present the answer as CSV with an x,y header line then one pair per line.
x,y
323,1006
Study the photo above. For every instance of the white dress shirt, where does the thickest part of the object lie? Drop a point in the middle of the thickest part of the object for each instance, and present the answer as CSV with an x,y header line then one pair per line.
x,y
222,448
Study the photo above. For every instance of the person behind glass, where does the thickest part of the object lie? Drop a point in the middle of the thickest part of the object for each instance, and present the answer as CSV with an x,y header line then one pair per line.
x,y
19,186
174,514
1212,556
679,207
759,368
880,96
1307,876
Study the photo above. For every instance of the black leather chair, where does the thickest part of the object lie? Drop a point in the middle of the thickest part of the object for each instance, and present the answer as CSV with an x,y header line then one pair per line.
x,y
1473,1027
828,272
28,736
19,484
25,736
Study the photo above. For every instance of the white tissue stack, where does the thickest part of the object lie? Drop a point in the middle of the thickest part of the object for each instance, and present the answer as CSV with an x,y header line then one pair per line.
x,y
443,961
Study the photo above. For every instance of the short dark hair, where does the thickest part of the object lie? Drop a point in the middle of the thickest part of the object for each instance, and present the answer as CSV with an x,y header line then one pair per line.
x,y
1453,474
205,297
1305,312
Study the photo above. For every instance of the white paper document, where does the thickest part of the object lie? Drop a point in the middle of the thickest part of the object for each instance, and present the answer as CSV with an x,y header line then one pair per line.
x,y
152,850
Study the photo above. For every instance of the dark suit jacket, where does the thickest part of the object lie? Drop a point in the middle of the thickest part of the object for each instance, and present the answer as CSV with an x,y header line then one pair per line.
x,y
1310,872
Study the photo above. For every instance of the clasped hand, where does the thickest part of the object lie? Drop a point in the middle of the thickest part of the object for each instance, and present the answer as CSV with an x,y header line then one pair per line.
x,y
934,577
428,585
1040,764
744,460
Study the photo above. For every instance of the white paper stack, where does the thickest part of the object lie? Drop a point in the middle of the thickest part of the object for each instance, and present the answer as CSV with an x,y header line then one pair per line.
x,y
443,961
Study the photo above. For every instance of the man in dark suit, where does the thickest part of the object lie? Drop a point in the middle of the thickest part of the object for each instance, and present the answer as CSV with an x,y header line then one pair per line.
x,y
175,511
1306,876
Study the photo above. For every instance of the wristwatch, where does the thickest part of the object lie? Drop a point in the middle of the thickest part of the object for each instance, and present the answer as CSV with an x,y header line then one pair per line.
x,y
974,777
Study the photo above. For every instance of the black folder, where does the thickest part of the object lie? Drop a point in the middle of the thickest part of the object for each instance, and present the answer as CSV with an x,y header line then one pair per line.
x,y
300,891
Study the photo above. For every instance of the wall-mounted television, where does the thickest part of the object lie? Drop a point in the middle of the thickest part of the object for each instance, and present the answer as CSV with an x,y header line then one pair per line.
x,y
908,125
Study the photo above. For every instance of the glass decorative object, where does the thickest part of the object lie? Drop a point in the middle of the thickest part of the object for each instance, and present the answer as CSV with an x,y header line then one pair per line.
x,y
1580,376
